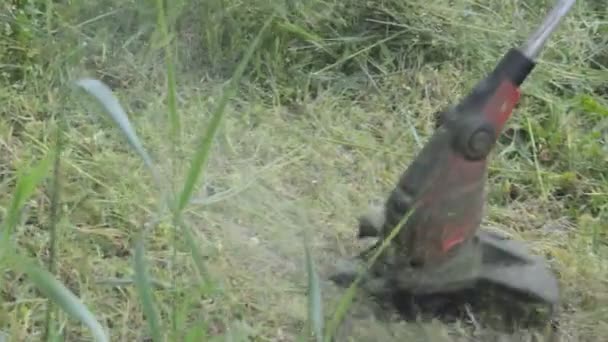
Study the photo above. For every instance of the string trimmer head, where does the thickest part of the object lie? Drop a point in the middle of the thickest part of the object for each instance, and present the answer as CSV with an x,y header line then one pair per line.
x,y
439,249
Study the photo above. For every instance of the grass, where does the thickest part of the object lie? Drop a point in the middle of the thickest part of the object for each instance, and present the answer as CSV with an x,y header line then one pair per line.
x,y
265,148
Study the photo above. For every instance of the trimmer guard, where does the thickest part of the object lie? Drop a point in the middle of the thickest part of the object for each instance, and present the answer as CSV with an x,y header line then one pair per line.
x,y
488,258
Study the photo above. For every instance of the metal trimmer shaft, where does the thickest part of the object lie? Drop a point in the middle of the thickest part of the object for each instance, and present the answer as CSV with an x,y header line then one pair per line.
x,y
538,39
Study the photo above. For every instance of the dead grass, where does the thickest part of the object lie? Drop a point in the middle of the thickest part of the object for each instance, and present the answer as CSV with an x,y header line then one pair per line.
x,y
297,150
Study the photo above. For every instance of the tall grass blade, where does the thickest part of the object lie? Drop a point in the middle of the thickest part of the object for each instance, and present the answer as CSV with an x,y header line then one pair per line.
x,y
539,175
27,182
204,146
104,95
347,299
175,131
26,185
144,289
63,297
51,287
53,221
174,118
111,104
315,306
196,255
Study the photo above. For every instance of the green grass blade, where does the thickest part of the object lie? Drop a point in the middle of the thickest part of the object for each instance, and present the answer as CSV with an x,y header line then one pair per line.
x,y
347,299
539,176
53,220
44,280
144,289
174,118
113,107
62,296
175,132
26,184
204,146
315,306
196,255
104,95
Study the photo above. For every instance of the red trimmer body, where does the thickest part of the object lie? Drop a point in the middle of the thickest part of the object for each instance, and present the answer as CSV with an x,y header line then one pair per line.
x,y
446,180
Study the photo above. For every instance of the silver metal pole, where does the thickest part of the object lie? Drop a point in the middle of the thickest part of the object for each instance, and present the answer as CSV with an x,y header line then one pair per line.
x,y
537,40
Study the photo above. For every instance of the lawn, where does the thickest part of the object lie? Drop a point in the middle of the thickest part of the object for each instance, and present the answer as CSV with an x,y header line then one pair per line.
x,y
335,100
